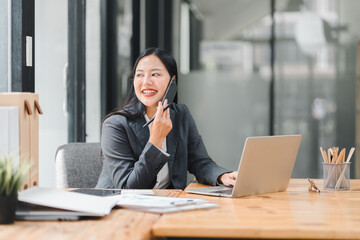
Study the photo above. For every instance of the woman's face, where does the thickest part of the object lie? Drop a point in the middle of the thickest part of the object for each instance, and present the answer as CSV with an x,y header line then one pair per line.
x,y
151,80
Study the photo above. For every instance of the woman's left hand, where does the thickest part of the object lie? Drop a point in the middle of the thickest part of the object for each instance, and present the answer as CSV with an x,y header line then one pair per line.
x,y
228,179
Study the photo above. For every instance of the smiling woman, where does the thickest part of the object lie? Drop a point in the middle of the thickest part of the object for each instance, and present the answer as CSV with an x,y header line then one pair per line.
x,y
157,156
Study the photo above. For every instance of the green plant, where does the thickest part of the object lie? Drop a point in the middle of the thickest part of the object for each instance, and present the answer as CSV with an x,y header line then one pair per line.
x,y
10,178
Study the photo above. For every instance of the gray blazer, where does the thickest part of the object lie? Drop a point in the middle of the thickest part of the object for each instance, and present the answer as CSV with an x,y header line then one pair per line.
x,y
130,161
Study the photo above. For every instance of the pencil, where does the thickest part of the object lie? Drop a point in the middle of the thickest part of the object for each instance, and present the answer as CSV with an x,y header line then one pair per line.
x,y
341,157
152,119
326,158
323,155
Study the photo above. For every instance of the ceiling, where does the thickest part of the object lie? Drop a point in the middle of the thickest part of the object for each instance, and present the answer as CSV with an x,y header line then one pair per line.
x,y
225,19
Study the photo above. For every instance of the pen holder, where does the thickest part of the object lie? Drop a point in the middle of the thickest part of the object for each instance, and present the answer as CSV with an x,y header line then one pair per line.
x,y
336,176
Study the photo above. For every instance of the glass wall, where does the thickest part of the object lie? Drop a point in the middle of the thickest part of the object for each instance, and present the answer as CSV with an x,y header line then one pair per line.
x,y
51,26
124,35
315,77
225,80
224,58
223,51
51,21
93,119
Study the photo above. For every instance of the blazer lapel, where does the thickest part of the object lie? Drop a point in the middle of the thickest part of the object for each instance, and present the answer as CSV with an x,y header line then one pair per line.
x,y
142,133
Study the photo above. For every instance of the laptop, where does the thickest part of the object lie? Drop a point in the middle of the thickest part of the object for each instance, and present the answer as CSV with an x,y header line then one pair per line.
x,y
266,165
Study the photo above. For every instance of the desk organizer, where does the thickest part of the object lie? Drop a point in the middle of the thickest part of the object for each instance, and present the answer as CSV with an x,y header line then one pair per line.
x,y
336,170
336,176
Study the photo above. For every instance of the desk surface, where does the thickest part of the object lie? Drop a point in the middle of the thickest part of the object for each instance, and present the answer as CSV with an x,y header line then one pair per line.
x,y
120,224
295,213
292,214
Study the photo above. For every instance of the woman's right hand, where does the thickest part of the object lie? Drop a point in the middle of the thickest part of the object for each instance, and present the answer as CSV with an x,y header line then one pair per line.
x,y
161,126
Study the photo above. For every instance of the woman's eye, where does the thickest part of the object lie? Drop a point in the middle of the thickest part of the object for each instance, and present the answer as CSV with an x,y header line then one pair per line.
x,y
156,74
139,75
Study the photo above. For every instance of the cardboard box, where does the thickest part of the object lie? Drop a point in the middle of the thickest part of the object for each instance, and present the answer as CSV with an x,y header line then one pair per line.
x,y
29,110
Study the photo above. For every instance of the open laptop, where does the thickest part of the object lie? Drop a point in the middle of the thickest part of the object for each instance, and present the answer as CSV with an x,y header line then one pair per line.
x,y
266,165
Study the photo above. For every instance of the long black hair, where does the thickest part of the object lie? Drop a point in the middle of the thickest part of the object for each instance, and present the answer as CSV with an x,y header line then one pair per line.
x,y
133,108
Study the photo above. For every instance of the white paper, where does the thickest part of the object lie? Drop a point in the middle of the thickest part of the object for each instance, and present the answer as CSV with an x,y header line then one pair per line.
x,y
9,133
178,209
142,201
96,205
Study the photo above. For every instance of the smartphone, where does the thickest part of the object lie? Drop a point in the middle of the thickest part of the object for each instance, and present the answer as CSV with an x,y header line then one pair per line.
x,y
170,92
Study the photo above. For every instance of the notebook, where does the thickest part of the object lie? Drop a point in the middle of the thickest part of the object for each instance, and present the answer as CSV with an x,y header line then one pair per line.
x,y
39,203
266,165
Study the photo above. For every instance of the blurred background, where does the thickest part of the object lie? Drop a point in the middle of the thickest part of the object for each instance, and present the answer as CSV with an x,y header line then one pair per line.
x,y
247,68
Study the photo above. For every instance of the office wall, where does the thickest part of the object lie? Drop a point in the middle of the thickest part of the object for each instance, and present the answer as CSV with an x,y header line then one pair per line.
x,y
350,18
357,171
315,78
348,14
218,87
51,26
314,82
51,59
349,39
93,118
227,89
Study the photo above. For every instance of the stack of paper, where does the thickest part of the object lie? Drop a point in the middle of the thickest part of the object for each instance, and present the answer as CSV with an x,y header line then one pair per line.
x,y
158,204
9,133
75,204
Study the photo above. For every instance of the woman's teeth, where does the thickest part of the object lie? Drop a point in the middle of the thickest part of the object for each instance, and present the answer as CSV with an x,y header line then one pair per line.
x,y
148,92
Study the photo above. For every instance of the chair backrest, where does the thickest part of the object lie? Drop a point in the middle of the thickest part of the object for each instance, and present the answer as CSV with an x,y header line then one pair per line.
x,y
77,165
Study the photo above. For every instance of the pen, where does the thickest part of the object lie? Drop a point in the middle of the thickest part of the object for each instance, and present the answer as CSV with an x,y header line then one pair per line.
x,y
152,119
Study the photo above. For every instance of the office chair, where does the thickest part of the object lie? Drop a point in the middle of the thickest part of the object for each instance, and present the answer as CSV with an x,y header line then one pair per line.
x,y
77,165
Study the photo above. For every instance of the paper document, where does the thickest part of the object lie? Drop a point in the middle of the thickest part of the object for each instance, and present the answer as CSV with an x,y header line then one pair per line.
x,y
155,201
9,133
181,208
91,205
159,204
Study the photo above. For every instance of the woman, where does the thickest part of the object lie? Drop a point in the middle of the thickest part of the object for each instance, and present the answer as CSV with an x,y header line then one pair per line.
x,y
157,156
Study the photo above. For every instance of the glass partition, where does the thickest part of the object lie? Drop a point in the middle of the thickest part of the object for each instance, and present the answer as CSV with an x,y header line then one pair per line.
x,y
50,72
225,82
225,76
315,76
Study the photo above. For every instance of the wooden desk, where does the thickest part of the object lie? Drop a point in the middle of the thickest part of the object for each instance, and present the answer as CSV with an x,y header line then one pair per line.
x,y
120,224
296,213
292,214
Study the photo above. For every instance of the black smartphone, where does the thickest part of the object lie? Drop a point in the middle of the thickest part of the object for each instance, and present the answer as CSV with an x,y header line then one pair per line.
x,y
171,91
170,94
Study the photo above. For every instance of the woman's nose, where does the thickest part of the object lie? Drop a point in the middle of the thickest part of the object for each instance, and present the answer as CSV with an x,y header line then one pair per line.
x,y
147,80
